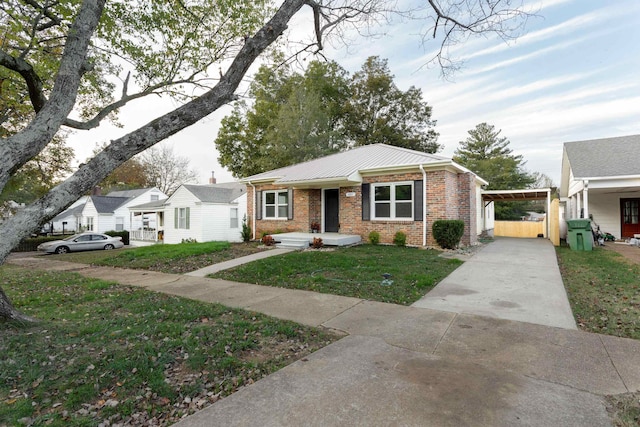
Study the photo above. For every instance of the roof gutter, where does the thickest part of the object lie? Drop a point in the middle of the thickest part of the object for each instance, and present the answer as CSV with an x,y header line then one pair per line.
x,y
424,206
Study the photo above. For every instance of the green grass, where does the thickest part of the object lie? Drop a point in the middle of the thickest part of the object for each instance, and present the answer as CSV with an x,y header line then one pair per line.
x,y
355,271
604,291
104,350
179,258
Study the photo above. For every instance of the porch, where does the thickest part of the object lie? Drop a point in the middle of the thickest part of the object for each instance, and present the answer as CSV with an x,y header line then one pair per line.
x,y
301,240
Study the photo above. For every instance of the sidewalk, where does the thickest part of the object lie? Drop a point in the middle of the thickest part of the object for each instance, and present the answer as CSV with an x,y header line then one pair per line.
x,y
407,365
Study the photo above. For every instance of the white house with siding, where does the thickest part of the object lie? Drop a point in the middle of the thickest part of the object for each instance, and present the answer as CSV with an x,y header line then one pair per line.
x,y
110,212
601,180
205,213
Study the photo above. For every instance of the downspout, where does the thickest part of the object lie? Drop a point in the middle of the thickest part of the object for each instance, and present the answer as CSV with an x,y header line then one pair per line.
x,y
424,205
253,217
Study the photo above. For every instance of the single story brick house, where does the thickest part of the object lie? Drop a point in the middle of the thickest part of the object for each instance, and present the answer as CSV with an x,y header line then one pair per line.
x,y
375,187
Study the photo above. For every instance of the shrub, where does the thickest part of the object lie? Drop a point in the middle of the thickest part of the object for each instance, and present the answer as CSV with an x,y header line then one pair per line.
x,y
448,232
124,234
31,244
317,243
246,230
400,239
189,240
268,240
374,237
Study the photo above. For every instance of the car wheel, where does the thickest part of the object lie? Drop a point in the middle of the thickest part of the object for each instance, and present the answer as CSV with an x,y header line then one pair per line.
x,y
62,250
108,247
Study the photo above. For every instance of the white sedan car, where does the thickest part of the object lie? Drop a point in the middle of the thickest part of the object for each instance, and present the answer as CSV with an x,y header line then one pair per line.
x,y
82,242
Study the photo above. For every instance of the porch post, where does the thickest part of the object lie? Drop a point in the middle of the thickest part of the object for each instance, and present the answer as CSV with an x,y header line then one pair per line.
x,y
578,205
548,214
585,198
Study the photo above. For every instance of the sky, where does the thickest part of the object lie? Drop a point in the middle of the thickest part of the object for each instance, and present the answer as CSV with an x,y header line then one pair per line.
x,y
572,75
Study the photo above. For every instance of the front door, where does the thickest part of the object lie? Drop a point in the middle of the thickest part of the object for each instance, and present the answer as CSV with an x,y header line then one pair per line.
x,y
630,213
331,210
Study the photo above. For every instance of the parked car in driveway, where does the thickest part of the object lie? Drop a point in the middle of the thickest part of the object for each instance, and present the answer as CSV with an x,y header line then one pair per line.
x,y
82,242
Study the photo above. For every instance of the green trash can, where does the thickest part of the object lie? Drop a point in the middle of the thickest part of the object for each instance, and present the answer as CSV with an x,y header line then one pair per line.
x,y
579,235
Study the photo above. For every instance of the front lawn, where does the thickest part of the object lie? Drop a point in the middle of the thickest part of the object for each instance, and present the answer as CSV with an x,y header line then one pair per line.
x,y
354,271
177,259
604,291
110,354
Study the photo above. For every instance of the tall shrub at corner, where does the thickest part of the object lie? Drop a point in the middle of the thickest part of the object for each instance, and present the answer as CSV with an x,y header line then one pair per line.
x,y
448,232
246,230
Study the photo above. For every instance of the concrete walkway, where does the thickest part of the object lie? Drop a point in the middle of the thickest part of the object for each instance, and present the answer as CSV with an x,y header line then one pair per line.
x,y
204,272
407,365
515,279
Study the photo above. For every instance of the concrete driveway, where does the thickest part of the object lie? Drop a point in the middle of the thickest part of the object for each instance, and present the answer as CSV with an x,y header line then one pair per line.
x,y
514,279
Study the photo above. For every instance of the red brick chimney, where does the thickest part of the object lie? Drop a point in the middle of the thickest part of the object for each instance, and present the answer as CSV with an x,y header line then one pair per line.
x,y
212,180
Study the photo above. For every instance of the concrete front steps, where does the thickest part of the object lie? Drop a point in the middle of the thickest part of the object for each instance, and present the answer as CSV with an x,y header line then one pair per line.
x,y
304,240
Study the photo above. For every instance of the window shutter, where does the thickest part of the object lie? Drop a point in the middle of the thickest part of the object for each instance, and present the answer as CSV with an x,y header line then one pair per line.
x,y
187,219
175,219
290,203
418,200
258,212
366,202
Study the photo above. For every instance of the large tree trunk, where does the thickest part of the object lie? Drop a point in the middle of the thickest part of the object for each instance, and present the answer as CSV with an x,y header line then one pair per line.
x,y
8,311
120,150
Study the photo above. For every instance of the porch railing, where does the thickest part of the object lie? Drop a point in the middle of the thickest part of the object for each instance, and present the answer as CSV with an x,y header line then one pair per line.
x,y
144,235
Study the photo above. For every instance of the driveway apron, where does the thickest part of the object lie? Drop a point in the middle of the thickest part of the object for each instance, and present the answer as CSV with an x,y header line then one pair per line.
x,y
513,279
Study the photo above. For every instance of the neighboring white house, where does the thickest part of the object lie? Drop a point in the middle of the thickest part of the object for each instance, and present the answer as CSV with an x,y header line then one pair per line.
x,y
110,212
601,180
205,213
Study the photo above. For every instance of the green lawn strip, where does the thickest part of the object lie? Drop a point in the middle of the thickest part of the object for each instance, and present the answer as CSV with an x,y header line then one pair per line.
x,y
354,271
178,259
103,351
604,291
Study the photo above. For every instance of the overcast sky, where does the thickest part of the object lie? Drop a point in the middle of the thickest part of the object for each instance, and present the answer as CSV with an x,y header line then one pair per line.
x,y
574,75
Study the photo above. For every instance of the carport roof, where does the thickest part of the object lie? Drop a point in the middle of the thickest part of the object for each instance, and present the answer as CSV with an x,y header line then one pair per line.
x,y
515,195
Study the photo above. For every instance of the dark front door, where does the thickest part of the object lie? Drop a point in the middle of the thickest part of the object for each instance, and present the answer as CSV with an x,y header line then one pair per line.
x,y
630,212
331,210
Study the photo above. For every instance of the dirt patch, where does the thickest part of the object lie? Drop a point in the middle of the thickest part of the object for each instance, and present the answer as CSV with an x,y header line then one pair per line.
x,y
631,253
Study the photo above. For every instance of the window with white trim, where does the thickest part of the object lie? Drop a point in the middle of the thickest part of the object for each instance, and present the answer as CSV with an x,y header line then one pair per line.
x,y
89,223
119,223
233,218
183,218
393,200
275,204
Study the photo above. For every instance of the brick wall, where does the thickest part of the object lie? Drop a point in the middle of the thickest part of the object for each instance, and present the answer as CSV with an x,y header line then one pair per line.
x,y
448,196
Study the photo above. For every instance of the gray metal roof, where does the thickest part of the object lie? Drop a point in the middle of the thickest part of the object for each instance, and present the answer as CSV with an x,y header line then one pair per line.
x,y
217,193
347,163
618,156
108,204
154,205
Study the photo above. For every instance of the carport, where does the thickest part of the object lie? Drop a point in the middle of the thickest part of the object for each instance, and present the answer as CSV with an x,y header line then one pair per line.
x,y
489,196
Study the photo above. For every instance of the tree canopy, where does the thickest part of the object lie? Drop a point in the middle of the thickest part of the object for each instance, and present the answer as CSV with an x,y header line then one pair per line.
x,y
295,117
72,64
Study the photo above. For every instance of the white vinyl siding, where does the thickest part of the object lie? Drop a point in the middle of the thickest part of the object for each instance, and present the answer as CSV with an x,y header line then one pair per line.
x,y
392,201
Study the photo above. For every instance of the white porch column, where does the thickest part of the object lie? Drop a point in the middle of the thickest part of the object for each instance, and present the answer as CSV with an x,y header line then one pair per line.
x,y
585,198
578,204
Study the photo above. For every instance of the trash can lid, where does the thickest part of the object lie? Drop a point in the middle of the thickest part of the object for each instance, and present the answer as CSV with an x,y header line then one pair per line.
x,y
579,223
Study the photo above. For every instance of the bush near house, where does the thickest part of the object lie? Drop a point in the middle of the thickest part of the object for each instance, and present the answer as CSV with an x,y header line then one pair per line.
x,y
448,232
400,239
124,234
374,238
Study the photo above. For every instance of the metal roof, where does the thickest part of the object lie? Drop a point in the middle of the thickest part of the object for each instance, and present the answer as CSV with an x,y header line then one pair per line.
x,y
607,157
217,193
347,164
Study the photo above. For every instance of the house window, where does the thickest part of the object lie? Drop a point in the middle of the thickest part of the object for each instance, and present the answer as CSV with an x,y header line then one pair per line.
x,y
276,204
631,211
154,197
181,218
393,200
119,223
233,218
89,223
